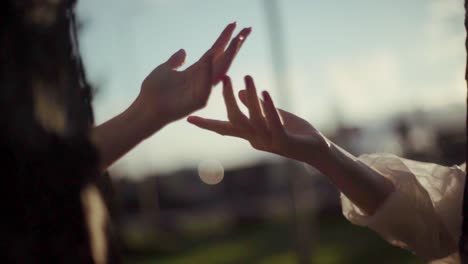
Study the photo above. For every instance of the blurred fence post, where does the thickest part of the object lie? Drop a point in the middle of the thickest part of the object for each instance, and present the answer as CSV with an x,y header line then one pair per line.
x,y
300,220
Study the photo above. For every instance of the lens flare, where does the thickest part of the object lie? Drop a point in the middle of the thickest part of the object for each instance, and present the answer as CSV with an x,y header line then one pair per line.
x,y
211,172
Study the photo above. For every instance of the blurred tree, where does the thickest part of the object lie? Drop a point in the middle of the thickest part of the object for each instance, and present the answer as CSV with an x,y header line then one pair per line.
x,y
300,220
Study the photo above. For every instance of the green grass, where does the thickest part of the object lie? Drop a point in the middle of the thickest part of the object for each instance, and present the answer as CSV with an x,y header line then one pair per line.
x,y
335,241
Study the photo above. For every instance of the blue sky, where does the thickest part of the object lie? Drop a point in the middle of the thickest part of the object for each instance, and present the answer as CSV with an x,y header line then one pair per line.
x,y
362,60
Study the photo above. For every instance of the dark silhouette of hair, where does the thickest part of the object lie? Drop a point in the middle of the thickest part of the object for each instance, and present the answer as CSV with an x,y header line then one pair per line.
x,y
45,118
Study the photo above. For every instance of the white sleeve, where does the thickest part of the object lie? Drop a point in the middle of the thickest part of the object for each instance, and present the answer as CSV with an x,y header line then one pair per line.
x,y
423,214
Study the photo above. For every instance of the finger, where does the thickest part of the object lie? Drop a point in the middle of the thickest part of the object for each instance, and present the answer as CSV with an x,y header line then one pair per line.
x,y
224,61
206,73
282,113
223,39
274,121
253,104
243,97
235,115
221,127
219,45
176,60
257,120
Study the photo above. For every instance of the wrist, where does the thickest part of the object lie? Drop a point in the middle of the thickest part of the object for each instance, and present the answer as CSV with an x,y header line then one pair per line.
x,y
144,118
321,157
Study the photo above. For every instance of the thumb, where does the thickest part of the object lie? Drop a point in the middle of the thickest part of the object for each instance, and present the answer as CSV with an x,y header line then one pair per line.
x,y
176,60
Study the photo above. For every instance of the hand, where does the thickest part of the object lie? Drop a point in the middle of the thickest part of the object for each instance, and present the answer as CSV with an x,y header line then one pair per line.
x,y
282,133
277,131
167,94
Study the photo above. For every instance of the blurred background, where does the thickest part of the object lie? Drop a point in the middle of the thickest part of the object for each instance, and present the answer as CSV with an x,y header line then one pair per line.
x,y
372,75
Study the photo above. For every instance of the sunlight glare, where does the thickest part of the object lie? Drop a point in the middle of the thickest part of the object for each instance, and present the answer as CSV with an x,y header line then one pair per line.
x,y
211,172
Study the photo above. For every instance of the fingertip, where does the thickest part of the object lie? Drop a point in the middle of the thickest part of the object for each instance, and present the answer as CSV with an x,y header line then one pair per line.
x,y
180,55
225,79
227,33
229,28
177,59
192,119
249,82
267,99
245,32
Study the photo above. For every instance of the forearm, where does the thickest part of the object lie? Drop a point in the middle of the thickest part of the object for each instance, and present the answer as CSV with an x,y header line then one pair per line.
x,y
117,136
366,187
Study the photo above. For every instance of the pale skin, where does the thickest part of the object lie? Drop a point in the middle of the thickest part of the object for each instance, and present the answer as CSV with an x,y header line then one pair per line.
x,y
276,131
167,95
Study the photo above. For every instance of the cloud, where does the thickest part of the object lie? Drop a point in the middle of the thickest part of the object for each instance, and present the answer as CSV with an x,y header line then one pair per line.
x,y
381,81
444,31
366,86
443,54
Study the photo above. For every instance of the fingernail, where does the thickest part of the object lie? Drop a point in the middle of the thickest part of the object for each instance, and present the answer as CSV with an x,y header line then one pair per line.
x,y
233,23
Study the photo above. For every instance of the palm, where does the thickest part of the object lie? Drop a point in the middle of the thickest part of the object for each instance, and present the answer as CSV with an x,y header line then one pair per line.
x,y
296,126
301,134
174,94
